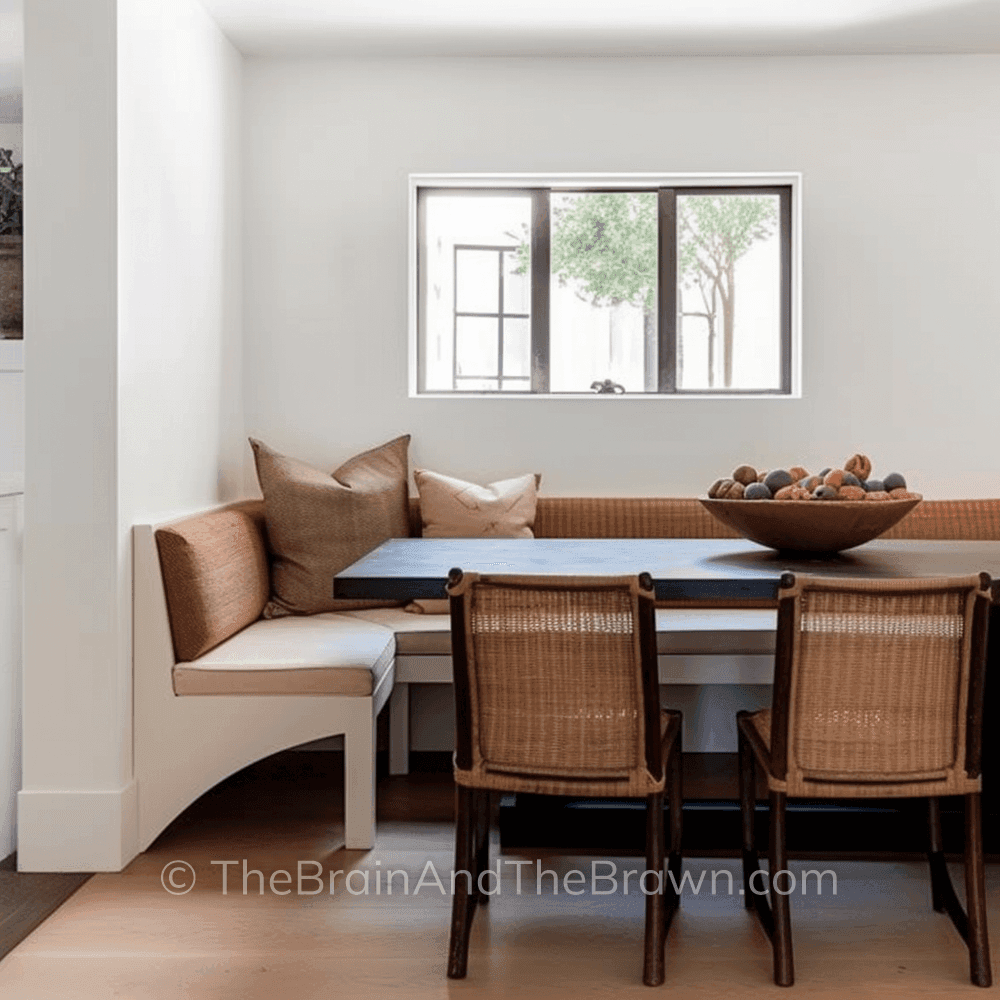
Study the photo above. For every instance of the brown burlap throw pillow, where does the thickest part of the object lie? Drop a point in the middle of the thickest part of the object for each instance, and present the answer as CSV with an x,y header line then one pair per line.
x,y
320,522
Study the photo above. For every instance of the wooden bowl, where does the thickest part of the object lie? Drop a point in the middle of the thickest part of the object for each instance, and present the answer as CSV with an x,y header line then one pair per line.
x,y
810,525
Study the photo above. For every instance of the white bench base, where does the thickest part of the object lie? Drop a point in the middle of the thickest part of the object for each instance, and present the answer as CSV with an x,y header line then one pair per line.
x,y
185,745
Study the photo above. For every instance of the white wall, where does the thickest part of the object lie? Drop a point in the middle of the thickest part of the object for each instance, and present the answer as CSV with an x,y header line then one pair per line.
x,y
75,679
901,185
180,244
131,317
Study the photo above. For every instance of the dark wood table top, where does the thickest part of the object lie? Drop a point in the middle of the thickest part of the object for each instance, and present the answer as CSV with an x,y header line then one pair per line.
x,y
403,569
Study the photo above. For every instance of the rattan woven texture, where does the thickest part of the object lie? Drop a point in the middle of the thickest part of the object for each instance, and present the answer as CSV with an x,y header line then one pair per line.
x,y
684,517
878,689
626,517
967,520
556,688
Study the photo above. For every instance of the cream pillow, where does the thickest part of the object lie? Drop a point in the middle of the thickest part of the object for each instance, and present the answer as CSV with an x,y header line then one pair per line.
x,y
320,522
453,508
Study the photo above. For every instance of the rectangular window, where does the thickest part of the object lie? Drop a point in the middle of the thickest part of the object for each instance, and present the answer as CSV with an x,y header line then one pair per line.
x,y
664,286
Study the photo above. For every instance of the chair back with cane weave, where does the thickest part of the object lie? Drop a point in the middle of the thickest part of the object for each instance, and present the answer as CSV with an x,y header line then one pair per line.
x,y
556,693
878,687
556,685
878,692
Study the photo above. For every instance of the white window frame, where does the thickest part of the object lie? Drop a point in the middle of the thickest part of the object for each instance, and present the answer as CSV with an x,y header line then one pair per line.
x,y
623,182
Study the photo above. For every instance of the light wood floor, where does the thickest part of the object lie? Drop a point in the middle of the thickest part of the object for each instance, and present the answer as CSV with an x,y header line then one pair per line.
x,y
123,935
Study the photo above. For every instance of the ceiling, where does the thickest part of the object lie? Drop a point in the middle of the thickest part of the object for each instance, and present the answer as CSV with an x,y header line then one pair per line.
x,y
576,27
609,27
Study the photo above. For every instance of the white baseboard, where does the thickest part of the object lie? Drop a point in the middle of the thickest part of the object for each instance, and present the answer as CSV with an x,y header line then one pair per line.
x,y
78,831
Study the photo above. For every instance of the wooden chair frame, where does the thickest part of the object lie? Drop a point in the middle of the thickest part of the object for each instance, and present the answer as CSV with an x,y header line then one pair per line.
x,y
775,917
662,752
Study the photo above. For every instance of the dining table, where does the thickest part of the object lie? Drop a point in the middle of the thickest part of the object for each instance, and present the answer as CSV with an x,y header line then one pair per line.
x,y
683,569
713,572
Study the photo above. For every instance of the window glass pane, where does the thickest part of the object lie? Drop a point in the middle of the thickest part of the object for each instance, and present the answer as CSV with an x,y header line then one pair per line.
x,y
476,385
516,385
516,282
603,291
477,280
477,341
729,292
516,347
497,222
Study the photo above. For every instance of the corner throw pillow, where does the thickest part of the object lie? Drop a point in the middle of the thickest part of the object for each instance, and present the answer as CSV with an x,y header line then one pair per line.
x,y
318,522
452,508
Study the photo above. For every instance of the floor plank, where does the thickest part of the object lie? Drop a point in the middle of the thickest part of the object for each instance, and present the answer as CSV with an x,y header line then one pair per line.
x,y
28,898
124,935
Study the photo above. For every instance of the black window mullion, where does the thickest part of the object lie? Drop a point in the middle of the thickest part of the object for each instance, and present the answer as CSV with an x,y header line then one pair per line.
x,y
666,292
540,259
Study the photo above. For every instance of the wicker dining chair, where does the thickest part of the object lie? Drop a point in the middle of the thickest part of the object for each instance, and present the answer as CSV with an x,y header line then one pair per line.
x,y
878,693
557,693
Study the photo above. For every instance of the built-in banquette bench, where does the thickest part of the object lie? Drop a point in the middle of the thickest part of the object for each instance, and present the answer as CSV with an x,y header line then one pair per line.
x,y
218,687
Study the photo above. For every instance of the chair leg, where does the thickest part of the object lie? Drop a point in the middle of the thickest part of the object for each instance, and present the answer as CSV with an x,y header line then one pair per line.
x,y
675,843
482,840
935,856
778,857
748,803
653,964
975,893
463,905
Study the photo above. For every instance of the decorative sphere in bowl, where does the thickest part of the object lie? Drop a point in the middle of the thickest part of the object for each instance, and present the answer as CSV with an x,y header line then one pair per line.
x,y
810,525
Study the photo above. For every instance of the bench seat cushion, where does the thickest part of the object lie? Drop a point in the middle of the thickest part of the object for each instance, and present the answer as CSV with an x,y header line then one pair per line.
x,y
324,654
416,635
687,631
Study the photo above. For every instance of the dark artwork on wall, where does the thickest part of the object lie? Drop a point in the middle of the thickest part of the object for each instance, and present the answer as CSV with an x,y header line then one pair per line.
x,y
11,240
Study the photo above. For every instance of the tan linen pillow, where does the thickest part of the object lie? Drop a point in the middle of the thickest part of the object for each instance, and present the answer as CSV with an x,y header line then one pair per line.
x,y
452,508
320,522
